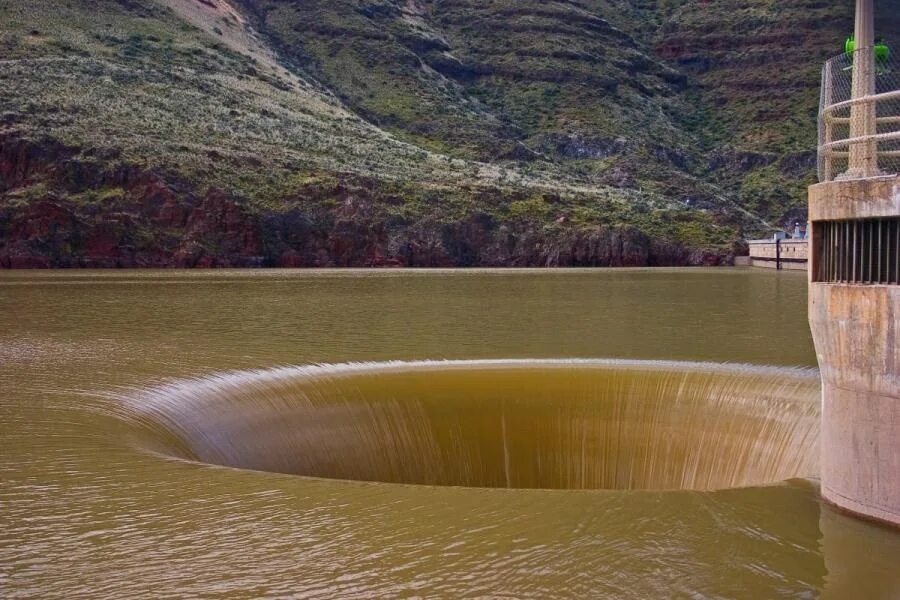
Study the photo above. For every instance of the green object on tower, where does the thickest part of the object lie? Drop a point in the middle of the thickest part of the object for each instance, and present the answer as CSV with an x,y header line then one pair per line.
x,y
882,52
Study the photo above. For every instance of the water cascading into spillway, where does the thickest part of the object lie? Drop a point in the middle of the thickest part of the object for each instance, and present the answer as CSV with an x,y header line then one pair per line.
x,y
560,424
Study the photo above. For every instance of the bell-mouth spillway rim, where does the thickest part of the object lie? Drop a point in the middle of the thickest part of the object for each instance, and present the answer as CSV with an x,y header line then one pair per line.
x,y
281,372
182,405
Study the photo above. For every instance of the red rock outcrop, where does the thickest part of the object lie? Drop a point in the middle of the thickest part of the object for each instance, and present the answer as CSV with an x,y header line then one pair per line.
x,y
128,217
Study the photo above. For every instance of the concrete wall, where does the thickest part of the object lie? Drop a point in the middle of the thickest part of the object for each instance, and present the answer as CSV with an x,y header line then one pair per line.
x,y
794,254
856,330
771,264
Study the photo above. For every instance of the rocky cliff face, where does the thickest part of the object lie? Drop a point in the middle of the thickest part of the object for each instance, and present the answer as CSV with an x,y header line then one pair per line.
x,y
52,233
145,221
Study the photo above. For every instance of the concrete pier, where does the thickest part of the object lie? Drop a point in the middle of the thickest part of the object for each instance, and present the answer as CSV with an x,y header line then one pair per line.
x,y
854,314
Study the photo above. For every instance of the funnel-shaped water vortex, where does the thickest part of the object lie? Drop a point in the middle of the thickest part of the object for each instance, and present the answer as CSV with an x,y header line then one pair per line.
x,y
513,424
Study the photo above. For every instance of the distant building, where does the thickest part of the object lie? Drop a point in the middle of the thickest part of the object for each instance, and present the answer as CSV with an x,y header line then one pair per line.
x,y
781,251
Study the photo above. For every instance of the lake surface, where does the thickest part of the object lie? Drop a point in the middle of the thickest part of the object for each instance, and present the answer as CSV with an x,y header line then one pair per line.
x,y
127,398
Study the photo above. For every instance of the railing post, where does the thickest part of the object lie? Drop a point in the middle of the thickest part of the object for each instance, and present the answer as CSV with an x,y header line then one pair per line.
x,y
827,132
863,158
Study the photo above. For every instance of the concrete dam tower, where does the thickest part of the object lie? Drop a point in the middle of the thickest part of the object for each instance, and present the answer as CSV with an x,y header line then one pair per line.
x,y
854,275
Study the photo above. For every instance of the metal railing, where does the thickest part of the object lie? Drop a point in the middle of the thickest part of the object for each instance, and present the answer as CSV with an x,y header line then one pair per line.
x,y
859,132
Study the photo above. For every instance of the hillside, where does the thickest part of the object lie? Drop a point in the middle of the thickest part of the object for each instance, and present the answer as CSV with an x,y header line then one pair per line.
x,y
388,132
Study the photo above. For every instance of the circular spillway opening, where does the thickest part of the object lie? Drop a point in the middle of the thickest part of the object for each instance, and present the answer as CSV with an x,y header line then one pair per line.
x,y
508,424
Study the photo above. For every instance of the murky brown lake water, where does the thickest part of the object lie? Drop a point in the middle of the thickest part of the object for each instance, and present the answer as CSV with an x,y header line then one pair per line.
x,y
128,399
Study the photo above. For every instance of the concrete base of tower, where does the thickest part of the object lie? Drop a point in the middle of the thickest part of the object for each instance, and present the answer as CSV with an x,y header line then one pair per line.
x,y
860,460
856,330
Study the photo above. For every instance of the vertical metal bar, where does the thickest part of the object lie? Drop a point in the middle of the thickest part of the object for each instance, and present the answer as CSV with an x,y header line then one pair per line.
x,y
813,256
889,272
861,258
887,249
893,231
837,249
890,252
831,248
834,246
849,251
887,253
897,250
880,252
869,241
818,236
830,251
849,273
845,259
863,252
853,268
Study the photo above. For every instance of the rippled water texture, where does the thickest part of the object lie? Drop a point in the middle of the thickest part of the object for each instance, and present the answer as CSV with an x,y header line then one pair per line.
x,y
127,400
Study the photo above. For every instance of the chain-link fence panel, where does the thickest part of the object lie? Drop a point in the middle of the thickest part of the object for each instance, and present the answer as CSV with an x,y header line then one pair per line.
x,y
859,127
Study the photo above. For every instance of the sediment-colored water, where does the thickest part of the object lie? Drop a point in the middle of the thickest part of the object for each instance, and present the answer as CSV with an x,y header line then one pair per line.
x,y
634,457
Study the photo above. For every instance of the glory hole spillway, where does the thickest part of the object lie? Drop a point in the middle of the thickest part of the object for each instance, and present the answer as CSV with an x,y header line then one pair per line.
x,y
554,424
408,433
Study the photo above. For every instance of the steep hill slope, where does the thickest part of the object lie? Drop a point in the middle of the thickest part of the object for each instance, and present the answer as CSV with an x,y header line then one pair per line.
x,y
753,70
350,132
